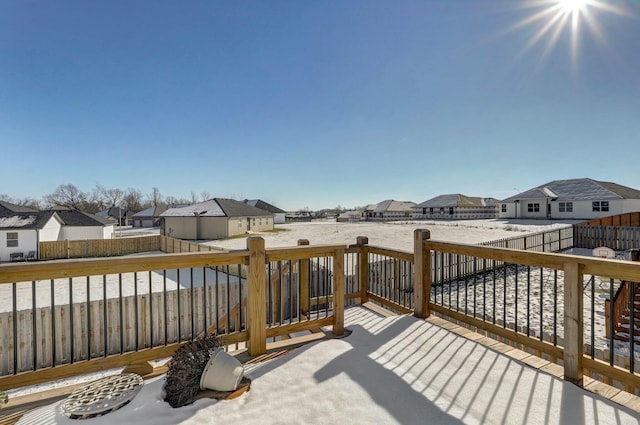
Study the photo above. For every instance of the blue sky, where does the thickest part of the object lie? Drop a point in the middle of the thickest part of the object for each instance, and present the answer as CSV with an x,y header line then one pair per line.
x,y
315,103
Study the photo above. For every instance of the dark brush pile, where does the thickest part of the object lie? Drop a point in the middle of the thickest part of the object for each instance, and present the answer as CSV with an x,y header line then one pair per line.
x,y
185,369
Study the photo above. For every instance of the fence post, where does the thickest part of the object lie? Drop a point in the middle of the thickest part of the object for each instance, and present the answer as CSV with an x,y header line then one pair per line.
x,y
573,323
338,292
421,273
304,280
363,267
257,322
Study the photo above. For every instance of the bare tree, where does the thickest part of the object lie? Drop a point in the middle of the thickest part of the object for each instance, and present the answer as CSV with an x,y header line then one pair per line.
x,y
194,197
29,203
155,196
111,197
133,199
66,195
205,196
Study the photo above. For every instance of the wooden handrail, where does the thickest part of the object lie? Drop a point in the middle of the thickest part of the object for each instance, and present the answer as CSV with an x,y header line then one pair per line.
x,y
61,269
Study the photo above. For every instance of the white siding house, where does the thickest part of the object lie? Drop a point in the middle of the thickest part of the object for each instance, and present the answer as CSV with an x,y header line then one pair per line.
x,y
80,226
21,234
571,199
22,230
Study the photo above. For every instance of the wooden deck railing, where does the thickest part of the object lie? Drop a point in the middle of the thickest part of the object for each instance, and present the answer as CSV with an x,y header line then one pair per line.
x,y
557,319
535,300
63,318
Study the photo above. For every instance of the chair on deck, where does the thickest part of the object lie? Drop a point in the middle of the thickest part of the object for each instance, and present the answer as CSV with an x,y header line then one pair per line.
x,y
16,256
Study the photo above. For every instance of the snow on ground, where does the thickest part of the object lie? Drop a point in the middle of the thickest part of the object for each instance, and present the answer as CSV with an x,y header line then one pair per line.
x,y
394,235
398,370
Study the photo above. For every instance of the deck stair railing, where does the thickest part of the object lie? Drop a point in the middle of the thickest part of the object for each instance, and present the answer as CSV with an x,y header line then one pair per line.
x,y
625,310
625,301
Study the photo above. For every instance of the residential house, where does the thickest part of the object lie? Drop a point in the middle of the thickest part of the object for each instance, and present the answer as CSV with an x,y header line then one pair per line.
x,y
22,230
78,225
9,209
149,217
278,214
457,207
571,199
348,216
295,216
388,210
214,219
118,215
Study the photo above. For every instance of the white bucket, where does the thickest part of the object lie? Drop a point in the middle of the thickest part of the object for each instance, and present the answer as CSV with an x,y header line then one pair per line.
x,y
223,372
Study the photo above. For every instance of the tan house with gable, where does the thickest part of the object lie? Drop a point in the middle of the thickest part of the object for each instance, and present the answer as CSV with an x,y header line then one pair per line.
x,y
388,210
216,218
457,207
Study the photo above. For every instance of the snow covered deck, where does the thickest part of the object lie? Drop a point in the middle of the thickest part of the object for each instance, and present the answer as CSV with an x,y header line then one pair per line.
x,y
390,370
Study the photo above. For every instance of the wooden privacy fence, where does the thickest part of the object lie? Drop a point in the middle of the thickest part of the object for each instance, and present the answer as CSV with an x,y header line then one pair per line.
x,y
631,219
98,247
618,238
547,241
118,246
173,245
68,333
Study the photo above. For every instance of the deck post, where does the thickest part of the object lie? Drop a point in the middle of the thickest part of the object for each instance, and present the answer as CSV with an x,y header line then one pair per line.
x,y
338,292
257,321
573,323
303,273
363,267
421,273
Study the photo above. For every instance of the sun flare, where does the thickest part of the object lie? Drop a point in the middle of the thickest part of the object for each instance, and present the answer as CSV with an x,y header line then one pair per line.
x,y
553,19
572,6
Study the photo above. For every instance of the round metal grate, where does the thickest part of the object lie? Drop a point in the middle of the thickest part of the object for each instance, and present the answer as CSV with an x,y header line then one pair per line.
x,y
102,396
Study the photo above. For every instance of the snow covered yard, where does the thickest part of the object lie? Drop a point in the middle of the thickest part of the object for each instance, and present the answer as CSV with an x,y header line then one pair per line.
x,y
395,235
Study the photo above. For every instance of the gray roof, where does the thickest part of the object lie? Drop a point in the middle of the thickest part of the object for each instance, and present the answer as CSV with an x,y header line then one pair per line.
x,y
8,209
217,207
578,190
78,218
391,205
34,220
258,203
457,200
153,211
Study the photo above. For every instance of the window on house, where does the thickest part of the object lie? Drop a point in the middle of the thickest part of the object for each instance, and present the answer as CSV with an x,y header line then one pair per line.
x,y
504,208
533,207
450,210
12,239
565,207
430,210
441,210
600,206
